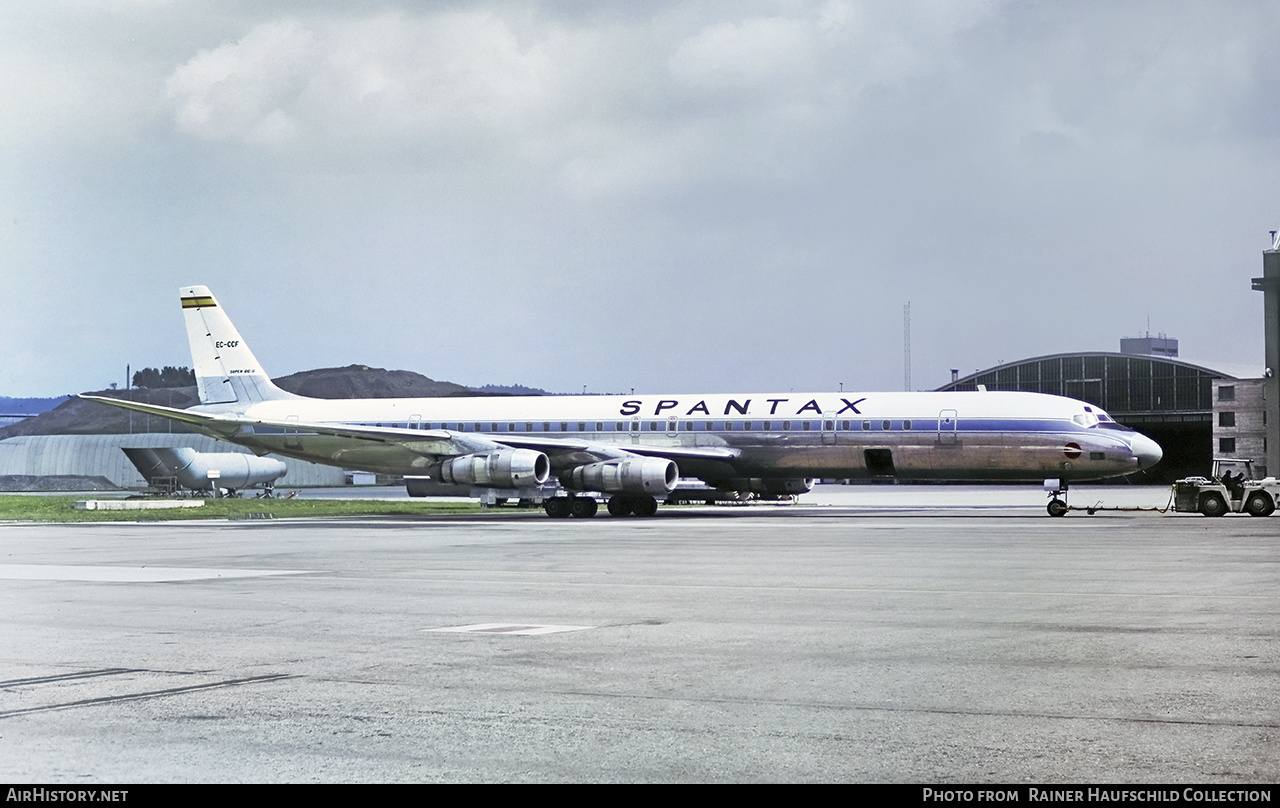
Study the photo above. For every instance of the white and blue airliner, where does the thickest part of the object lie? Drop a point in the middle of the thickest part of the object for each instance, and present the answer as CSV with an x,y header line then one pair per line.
x,y
631,450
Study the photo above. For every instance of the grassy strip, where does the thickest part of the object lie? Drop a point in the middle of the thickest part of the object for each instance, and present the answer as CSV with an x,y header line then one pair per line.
x,y
58,509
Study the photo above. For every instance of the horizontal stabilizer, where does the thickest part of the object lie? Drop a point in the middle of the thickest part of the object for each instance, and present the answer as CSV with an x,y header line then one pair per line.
x,y
212,425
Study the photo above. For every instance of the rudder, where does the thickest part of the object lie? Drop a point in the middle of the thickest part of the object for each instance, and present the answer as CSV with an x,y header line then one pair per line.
x,y
226,370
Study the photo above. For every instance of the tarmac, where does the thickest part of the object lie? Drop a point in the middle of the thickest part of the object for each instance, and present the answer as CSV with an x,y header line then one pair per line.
x,y
886,634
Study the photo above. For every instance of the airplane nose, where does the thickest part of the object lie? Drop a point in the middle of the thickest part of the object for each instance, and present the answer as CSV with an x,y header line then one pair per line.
x,y
1147,451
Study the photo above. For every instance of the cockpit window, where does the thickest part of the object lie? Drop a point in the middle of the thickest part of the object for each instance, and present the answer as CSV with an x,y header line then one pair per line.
x,y
1091,418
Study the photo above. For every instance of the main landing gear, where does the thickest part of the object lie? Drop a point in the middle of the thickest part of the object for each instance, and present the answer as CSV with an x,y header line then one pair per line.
x,y
586,507
1058,497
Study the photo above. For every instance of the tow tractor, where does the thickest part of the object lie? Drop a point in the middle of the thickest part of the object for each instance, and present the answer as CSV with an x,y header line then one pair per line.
x,y
1212,496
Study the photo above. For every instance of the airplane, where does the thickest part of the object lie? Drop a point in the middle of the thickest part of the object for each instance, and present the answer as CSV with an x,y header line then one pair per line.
x,y
231,472
632,450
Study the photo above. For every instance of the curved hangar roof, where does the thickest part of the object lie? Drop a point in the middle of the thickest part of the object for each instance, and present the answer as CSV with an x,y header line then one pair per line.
x,y
1134,389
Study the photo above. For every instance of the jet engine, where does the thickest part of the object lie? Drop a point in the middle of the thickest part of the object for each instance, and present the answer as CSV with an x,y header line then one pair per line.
x,y
632,475
503,468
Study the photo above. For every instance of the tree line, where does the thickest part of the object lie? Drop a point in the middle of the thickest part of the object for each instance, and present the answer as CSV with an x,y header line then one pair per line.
x,y
168,376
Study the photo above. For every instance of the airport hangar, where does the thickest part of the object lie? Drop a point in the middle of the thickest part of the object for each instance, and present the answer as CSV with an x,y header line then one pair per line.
x,y
1190,410
1193,412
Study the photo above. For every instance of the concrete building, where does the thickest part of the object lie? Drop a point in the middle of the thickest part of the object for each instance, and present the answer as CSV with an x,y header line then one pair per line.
x,y
1147,345
1269,285
1239,422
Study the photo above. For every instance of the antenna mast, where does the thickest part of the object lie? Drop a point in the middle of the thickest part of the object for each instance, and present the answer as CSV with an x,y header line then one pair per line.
x,y
906,347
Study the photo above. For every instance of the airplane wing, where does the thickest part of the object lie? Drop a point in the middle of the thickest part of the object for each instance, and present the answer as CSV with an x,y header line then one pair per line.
x,y
563,452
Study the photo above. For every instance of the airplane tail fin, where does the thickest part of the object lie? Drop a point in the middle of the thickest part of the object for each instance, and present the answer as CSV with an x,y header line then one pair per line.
x,y
226,370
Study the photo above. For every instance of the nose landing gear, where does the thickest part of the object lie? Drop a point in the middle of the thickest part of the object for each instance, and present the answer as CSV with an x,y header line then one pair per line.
x,y
1057,497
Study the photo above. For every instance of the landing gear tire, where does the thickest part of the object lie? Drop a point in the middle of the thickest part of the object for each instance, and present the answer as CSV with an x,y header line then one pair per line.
x,y
583,507
1213,505
619,505
644,506
1259,504
1057,507
556,507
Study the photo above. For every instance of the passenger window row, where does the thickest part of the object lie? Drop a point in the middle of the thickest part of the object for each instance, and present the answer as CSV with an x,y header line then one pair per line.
x,y
649,426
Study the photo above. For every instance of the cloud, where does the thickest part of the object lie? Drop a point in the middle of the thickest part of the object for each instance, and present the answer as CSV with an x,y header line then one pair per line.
x,y
385,77
747,56
764,157
636,105
389,76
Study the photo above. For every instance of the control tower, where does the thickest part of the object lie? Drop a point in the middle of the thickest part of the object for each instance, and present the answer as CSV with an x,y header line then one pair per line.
x,y
1269,285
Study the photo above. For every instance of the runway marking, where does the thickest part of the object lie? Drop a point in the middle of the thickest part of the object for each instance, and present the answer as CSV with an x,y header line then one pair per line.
x,y
85,572
64,677
531,579
957,711
150,694
509,628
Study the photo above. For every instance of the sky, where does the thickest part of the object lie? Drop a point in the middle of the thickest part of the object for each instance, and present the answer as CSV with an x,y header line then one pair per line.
x,y
660,196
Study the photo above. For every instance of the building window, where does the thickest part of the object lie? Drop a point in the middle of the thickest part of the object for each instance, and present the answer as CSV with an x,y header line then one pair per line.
x,y
1227,445
1226,419
1227,392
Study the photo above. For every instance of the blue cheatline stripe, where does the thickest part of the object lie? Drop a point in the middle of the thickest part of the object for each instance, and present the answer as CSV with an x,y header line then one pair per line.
x,y
919,425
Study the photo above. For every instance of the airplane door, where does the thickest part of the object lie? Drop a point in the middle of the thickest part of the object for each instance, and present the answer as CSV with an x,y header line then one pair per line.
x,y
947,426
673,425
828,428
635,429
291,434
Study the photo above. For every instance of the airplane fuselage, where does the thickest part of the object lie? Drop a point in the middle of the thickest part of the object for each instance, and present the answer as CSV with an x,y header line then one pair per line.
x,y
948,436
